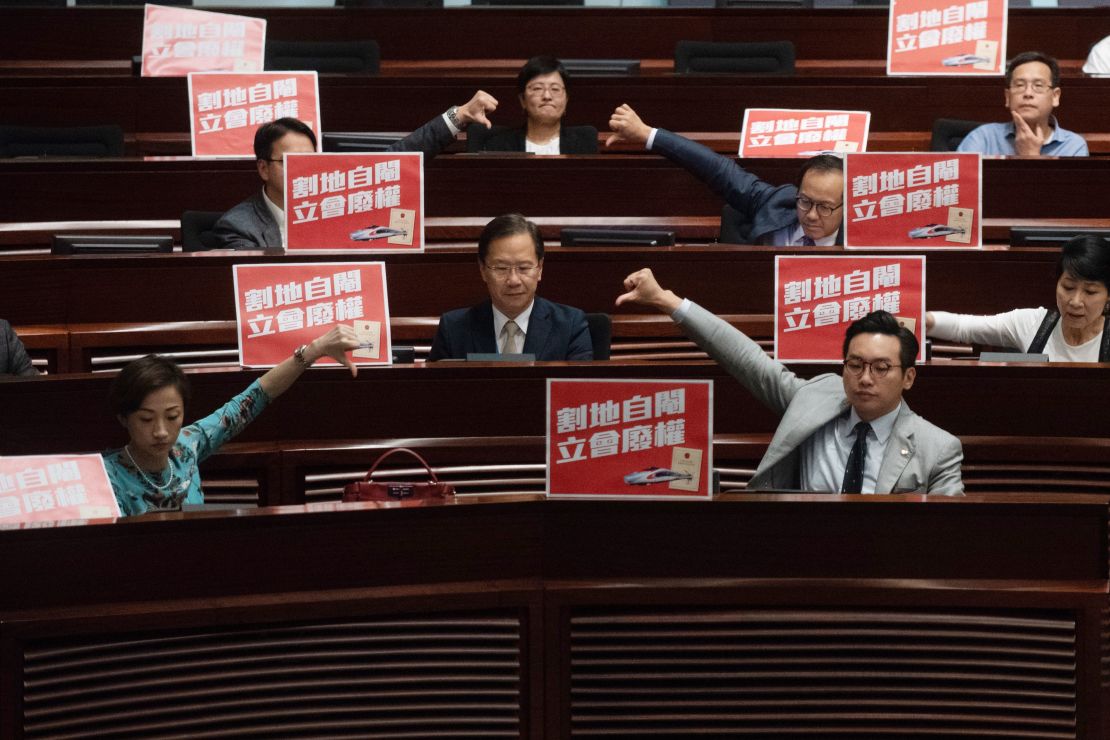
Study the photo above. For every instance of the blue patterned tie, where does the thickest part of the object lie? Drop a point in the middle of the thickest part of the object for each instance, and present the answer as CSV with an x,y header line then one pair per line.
x,y
853,472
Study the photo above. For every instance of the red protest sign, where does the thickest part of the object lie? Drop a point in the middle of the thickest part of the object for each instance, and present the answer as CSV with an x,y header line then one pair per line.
x,y
778,132
39,488
817,297
919,200
634,438
225,109
280,307
946,37
177,41
354,202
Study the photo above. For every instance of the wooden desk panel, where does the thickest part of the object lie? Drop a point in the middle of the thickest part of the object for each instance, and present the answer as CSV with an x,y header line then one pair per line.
x,y
726,279
484,186
483,33
69,414
902,570
676,102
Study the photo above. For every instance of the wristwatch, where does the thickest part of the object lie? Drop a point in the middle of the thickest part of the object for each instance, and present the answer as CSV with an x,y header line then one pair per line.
x,y
298,354
453,117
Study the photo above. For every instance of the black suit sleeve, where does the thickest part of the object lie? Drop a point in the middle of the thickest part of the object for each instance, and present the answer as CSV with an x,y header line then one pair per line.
x,y
18,362
441,344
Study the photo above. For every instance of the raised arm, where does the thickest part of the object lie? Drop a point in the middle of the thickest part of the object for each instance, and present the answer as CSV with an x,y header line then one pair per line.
x,y
335,344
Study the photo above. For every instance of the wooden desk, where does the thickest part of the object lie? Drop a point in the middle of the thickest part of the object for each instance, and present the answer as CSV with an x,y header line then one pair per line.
x,y
449,399
726,279
546,619
676,102
484,186
422,34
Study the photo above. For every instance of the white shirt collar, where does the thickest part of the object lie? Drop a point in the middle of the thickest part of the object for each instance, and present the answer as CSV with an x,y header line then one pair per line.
x,y
500,319
881,427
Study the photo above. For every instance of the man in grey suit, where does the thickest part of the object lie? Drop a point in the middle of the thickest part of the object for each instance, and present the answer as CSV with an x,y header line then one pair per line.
x,y
848,434
259,221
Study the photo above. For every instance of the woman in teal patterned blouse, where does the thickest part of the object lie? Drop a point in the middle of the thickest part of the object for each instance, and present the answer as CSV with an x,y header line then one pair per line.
x,y
158,468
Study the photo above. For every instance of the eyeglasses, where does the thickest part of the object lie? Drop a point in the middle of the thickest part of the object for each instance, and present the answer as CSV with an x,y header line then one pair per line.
x,y
879,368
1038,86
502,272
275,161
537,90
805,204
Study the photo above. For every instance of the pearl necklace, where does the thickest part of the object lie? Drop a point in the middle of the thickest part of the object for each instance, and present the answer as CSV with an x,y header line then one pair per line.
x,y
147,478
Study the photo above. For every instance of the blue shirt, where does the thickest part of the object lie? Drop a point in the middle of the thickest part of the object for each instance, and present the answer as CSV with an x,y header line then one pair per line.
x,y
136,494
998,138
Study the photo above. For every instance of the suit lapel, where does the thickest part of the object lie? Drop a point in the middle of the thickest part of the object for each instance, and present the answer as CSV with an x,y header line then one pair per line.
x,y
539,328
481,329
899,451
271,232
795,431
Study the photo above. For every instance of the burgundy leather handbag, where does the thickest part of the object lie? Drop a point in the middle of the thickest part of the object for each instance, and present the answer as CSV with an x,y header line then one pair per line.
x,y
368,490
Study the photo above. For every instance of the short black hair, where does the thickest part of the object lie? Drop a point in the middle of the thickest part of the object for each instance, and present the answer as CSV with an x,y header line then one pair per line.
x,y
820,163
541,65
1033,56
1086,257
509,224
140,378
268,133
883,322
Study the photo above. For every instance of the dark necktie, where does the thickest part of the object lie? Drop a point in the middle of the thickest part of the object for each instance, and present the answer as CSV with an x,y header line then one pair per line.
x,y
807,242
853,473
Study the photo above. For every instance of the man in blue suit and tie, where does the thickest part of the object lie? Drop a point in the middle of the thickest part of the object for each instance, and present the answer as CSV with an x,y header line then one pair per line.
x,y
514,320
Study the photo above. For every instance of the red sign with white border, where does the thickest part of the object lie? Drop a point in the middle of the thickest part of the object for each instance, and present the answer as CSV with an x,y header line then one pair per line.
x,y
280,307
630,438
355,203
52,488
920,200
177,41
780,132
225,109
946,37
817,297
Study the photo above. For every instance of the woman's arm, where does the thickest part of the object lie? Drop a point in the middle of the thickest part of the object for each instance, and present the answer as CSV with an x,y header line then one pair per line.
x,y
335,344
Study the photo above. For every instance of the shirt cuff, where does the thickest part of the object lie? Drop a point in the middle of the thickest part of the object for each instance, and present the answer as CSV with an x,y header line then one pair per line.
x,y
679,314
455,130
651,139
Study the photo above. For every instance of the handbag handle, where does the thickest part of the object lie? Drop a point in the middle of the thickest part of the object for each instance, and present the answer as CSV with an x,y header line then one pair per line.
x,y
423,462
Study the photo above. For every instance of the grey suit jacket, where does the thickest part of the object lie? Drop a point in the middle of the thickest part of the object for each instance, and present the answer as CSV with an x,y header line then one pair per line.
x,y
13,356
919,458
250,225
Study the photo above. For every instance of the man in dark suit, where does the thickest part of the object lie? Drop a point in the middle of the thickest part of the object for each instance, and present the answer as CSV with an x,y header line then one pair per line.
x,y
805,214
13,357
514,320
259,221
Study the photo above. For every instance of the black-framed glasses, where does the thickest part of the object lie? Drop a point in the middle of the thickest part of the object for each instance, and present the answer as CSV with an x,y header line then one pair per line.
x,y
879,368
502,272
1038,86
805,204
276,161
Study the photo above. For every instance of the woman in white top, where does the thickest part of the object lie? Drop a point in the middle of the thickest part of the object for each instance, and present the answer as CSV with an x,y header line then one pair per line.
x,y
1074,332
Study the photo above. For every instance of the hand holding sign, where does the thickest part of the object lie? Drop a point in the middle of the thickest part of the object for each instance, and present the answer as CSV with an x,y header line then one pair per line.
x,y
627,127
643,289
